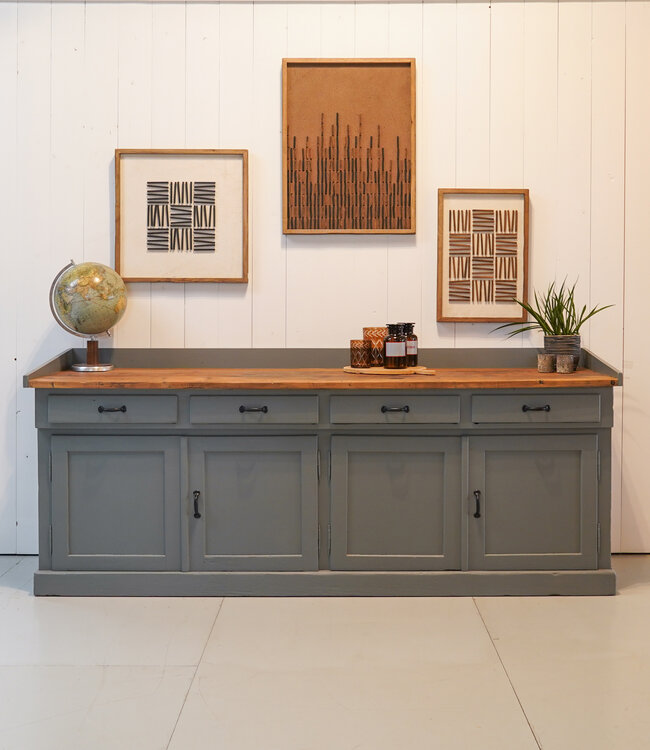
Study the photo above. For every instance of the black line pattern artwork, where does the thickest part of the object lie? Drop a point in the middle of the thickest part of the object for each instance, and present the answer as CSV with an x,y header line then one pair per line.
x,y
204,240
157,192
181,216
157,239
204,193
483,264
347,179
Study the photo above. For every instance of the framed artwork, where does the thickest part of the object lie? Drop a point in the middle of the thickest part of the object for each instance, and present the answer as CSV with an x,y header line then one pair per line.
x,y
348,146
482,255
181,215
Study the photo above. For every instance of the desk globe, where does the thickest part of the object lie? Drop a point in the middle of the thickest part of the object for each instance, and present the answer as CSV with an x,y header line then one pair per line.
x,y
88,299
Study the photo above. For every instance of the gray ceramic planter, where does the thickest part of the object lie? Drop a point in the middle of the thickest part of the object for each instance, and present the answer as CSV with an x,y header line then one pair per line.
x,y
563,345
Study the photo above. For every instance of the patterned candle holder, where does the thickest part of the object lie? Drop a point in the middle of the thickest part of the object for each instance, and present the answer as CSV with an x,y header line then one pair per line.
x,y
376,336
360,353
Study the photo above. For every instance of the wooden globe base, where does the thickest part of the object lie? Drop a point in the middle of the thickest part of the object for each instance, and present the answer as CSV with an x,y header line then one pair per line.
x,y
92,359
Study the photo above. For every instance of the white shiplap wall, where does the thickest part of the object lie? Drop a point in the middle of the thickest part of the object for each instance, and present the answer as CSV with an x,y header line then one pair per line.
x,y
546,95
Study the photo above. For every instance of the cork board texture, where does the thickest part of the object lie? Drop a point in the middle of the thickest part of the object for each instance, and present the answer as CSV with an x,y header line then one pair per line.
x,y
349,146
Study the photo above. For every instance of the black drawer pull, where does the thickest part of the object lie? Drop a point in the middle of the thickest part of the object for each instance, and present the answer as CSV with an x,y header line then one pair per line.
x,y
243,409
107,409
405,409
546,407
477,498
197,495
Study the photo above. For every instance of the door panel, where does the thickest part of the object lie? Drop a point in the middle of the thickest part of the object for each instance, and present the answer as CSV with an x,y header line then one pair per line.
x,y
115,503
538,502
395,503
258,503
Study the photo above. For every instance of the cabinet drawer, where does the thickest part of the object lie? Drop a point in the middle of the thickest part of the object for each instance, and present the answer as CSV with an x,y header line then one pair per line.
x,y
259,409
112,409
395,409
531,408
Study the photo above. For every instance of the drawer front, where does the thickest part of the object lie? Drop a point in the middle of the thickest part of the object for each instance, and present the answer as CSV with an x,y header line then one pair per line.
x,y
536,408
395,409
259,409
112,409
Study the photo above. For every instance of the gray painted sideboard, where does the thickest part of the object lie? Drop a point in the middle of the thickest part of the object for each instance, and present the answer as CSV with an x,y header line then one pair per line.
x,y
354,487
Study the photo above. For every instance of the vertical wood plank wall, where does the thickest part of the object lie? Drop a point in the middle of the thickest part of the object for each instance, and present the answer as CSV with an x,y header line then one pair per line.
x,y
548,95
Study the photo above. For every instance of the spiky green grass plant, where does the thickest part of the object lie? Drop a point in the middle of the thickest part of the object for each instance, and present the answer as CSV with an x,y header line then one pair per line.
x,y
554,312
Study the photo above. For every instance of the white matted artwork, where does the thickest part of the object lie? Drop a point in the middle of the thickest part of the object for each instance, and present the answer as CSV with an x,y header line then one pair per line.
x,y
181,215
482,255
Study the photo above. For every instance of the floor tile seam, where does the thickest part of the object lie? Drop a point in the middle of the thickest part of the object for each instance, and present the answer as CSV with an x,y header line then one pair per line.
x,y
505,672
196,670
19,560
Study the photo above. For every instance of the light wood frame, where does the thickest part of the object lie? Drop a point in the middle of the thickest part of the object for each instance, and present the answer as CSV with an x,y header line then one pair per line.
x,y
289,64
522,253
121,247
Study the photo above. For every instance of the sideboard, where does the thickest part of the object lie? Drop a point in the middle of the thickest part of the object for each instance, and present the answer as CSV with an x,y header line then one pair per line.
x,y
273,472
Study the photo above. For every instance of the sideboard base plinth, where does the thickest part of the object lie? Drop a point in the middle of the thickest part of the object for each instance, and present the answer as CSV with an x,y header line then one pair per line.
x,y
328,583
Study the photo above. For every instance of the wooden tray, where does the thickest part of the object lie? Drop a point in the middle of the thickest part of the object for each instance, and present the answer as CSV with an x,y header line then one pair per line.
x,y
420,370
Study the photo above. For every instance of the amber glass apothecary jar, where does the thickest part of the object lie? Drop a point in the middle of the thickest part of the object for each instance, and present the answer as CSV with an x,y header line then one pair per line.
x,y
411,345
395,347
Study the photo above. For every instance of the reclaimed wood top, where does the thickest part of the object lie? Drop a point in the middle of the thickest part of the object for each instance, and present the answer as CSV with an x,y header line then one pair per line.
x,y
314,379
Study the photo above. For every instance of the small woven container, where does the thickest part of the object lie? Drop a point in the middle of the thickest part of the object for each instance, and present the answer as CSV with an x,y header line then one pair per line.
x,y
360,352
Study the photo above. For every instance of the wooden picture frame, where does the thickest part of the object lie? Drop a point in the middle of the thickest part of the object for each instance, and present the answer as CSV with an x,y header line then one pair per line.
x,y
181,215
348,146
482,255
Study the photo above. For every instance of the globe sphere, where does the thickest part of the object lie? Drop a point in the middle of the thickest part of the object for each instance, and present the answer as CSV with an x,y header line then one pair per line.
x,y
87,298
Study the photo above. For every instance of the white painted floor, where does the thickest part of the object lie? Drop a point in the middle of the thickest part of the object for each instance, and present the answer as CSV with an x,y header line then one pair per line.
x,y
325,674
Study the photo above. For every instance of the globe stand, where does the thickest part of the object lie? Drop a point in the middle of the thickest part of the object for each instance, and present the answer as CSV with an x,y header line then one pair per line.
x,y
92,359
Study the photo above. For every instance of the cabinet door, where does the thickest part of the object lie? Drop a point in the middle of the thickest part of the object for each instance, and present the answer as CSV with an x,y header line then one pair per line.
x,y
395,503
258,503
538,502
115,503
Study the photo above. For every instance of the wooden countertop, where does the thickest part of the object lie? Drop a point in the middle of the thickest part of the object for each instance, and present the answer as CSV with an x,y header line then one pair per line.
x,y
313,379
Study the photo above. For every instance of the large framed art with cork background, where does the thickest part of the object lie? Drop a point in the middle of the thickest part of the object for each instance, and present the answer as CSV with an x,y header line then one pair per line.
x,y
348,149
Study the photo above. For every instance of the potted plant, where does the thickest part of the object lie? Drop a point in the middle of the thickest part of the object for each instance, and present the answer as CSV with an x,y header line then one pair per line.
x,y
554,312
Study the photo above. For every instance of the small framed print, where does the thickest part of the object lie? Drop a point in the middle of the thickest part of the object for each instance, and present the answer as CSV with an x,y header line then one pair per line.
x,y
482,255
181,215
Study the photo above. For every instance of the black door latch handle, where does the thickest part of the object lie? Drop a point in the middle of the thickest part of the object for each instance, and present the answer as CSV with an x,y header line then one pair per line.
x,y
197,495
477,498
